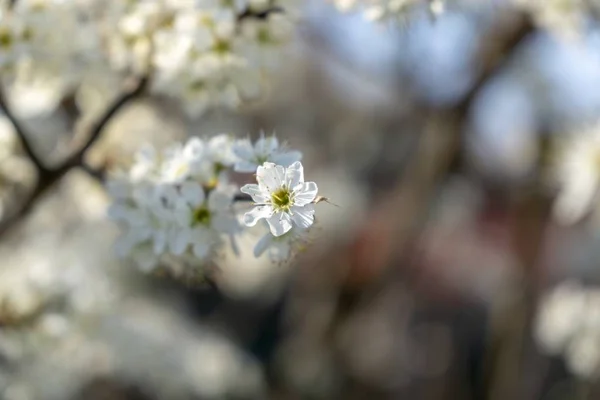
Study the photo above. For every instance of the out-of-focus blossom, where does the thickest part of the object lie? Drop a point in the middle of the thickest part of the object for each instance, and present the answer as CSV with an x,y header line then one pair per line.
x,y
266,149
282,198
568,323
577,171
282,248
384,10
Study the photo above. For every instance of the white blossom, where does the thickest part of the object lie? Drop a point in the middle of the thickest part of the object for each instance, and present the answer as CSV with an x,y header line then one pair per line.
x,y
281,248
203,218
282,197
385,10
568,324
266,149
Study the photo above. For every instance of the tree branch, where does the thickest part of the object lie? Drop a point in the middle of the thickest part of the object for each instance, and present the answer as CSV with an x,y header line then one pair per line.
x,y
21,133
48,177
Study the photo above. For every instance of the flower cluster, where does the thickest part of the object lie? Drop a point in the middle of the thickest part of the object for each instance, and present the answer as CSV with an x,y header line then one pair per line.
x,y
204,53
384,10
177,205
568,323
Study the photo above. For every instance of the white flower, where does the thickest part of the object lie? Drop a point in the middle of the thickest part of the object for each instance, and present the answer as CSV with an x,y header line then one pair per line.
x,y
282,198
202,220
148,221
281,248
577,172
219,150
183,161
266,149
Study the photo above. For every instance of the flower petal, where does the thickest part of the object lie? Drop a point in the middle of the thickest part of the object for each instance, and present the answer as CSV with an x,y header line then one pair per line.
x,y
179,241
263,244
252,216
294,175
245,166
192,193
194,148
270,176
243,149
219,200
303,217
305,193
258,196
280,223
265,145
160,242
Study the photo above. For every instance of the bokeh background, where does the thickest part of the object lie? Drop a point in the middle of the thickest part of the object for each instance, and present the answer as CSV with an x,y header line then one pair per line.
x,y
431,134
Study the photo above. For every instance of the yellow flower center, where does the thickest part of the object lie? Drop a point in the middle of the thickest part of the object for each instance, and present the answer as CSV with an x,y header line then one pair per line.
x,y
222,47
6,39
201,216
282,199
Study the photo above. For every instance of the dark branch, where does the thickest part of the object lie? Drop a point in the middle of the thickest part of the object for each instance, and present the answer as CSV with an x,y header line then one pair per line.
x,y
98,127
48,177
21,133
248,13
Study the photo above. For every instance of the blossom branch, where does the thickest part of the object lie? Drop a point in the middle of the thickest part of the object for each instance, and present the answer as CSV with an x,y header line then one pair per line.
x,y
48,177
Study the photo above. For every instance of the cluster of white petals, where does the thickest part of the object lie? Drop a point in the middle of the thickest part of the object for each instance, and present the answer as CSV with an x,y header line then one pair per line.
x,y
384,10
576,170
568,323
176,206
204,53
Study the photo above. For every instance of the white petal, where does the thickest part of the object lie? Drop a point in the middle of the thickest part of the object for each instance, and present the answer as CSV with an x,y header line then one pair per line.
x,y
194,148
160,242
219,200
257,213
119,212
258,196
192,193
303,216
245,166
271,176
287,158
294,175
179,241
305,193
280,224
243,149
575,199
263,244
266,145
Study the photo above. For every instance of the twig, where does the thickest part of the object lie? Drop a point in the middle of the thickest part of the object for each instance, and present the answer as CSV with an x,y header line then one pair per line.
x,y
48,177
97,128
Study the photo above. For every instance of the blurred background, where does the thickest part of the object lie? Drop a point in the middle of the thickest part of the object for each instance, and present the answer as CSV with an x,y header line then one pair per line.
x,y
437,135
